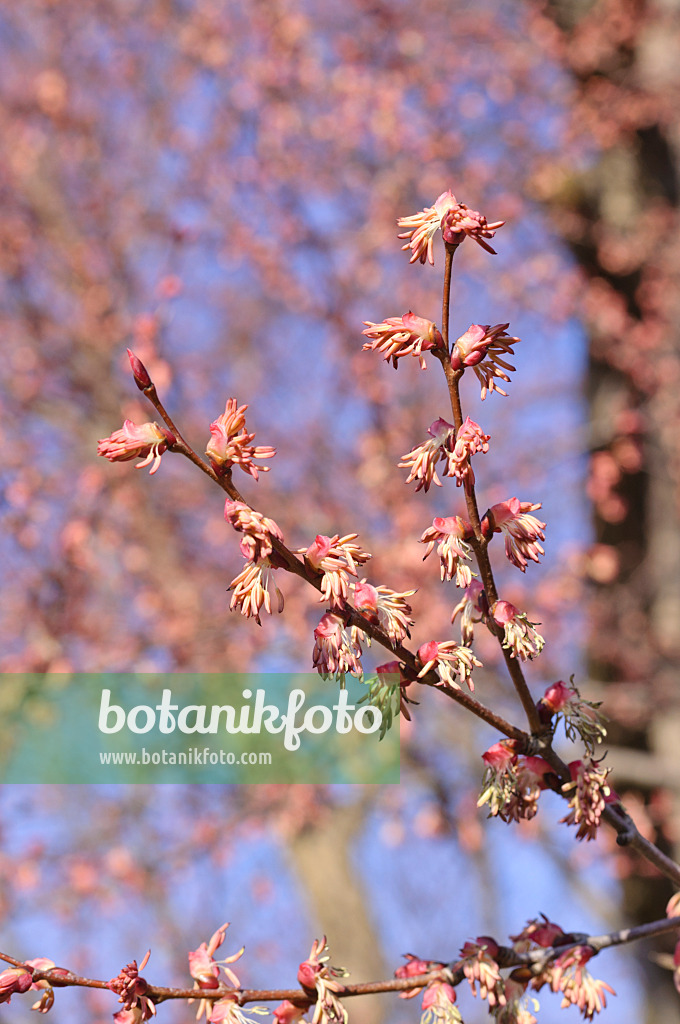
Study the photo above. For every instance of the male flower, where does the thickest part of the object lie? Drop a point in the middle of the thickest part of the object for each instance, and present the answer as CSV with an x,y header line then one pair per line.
x,y
521,639
335,653
480,968
454,219
316,975
570,976
385,608
422,461
450,659
473,607
470,439
230,443
258,530
449,533
521,530
335,557
581,717
438,1004
145,441
131,988
589,795
252,590
399,336
483,348
460,222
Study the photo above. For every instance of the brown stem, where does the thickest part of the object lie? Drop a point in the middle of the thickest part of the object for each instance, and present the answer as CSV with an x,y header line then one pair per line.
x,y
507,957
479,541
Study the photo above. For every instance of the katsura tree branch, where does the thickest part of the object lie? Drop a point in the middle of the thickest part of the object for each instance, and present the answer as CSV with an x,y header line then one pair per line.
x,y
479,541
555,951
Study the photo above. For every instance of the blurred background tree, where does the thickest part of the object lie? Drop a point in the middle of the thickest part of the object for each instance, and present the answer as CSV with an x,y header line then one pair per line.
x,y
216,185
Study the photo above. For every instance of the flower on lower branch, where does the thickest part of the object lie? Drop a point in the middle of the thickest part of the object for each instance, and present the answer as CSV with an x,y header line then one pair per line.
x,y
385,608
520,638
316,975
14,979
449,534
146,441
131,988
522,531
335,557
336,651
252,590
46,1001
399,336
288,1013
439,1004
228,1011
569,975
589,795
515,1009
450,659
479,965
483,348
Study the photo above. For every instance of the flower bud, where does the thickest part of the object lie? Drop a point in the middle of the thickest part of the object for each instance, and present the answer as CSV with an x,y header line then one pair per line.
x,y
139,372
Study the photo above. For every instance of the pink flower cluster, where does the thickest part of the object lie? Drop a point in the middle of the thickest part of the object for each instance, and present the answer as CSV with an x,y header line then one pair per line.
x,y
258,531
230,443
450,660
454,552
521,530
146,441
385,608
337,558
337,652
590,793
479,965
252,587
454,219
131,989
581,717
399,336
445,445
316,975
484,349
519,635
512,782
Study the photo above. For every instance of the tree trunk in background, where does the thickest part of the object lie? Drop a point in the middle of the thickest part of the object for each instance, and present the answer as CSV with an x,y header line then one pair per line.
x,y
322,856
619,215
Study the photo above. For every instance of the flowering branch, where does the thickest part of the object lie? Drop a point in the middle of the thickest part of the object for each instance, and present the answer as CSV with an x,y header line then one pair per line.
x,y
541,953
518,768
